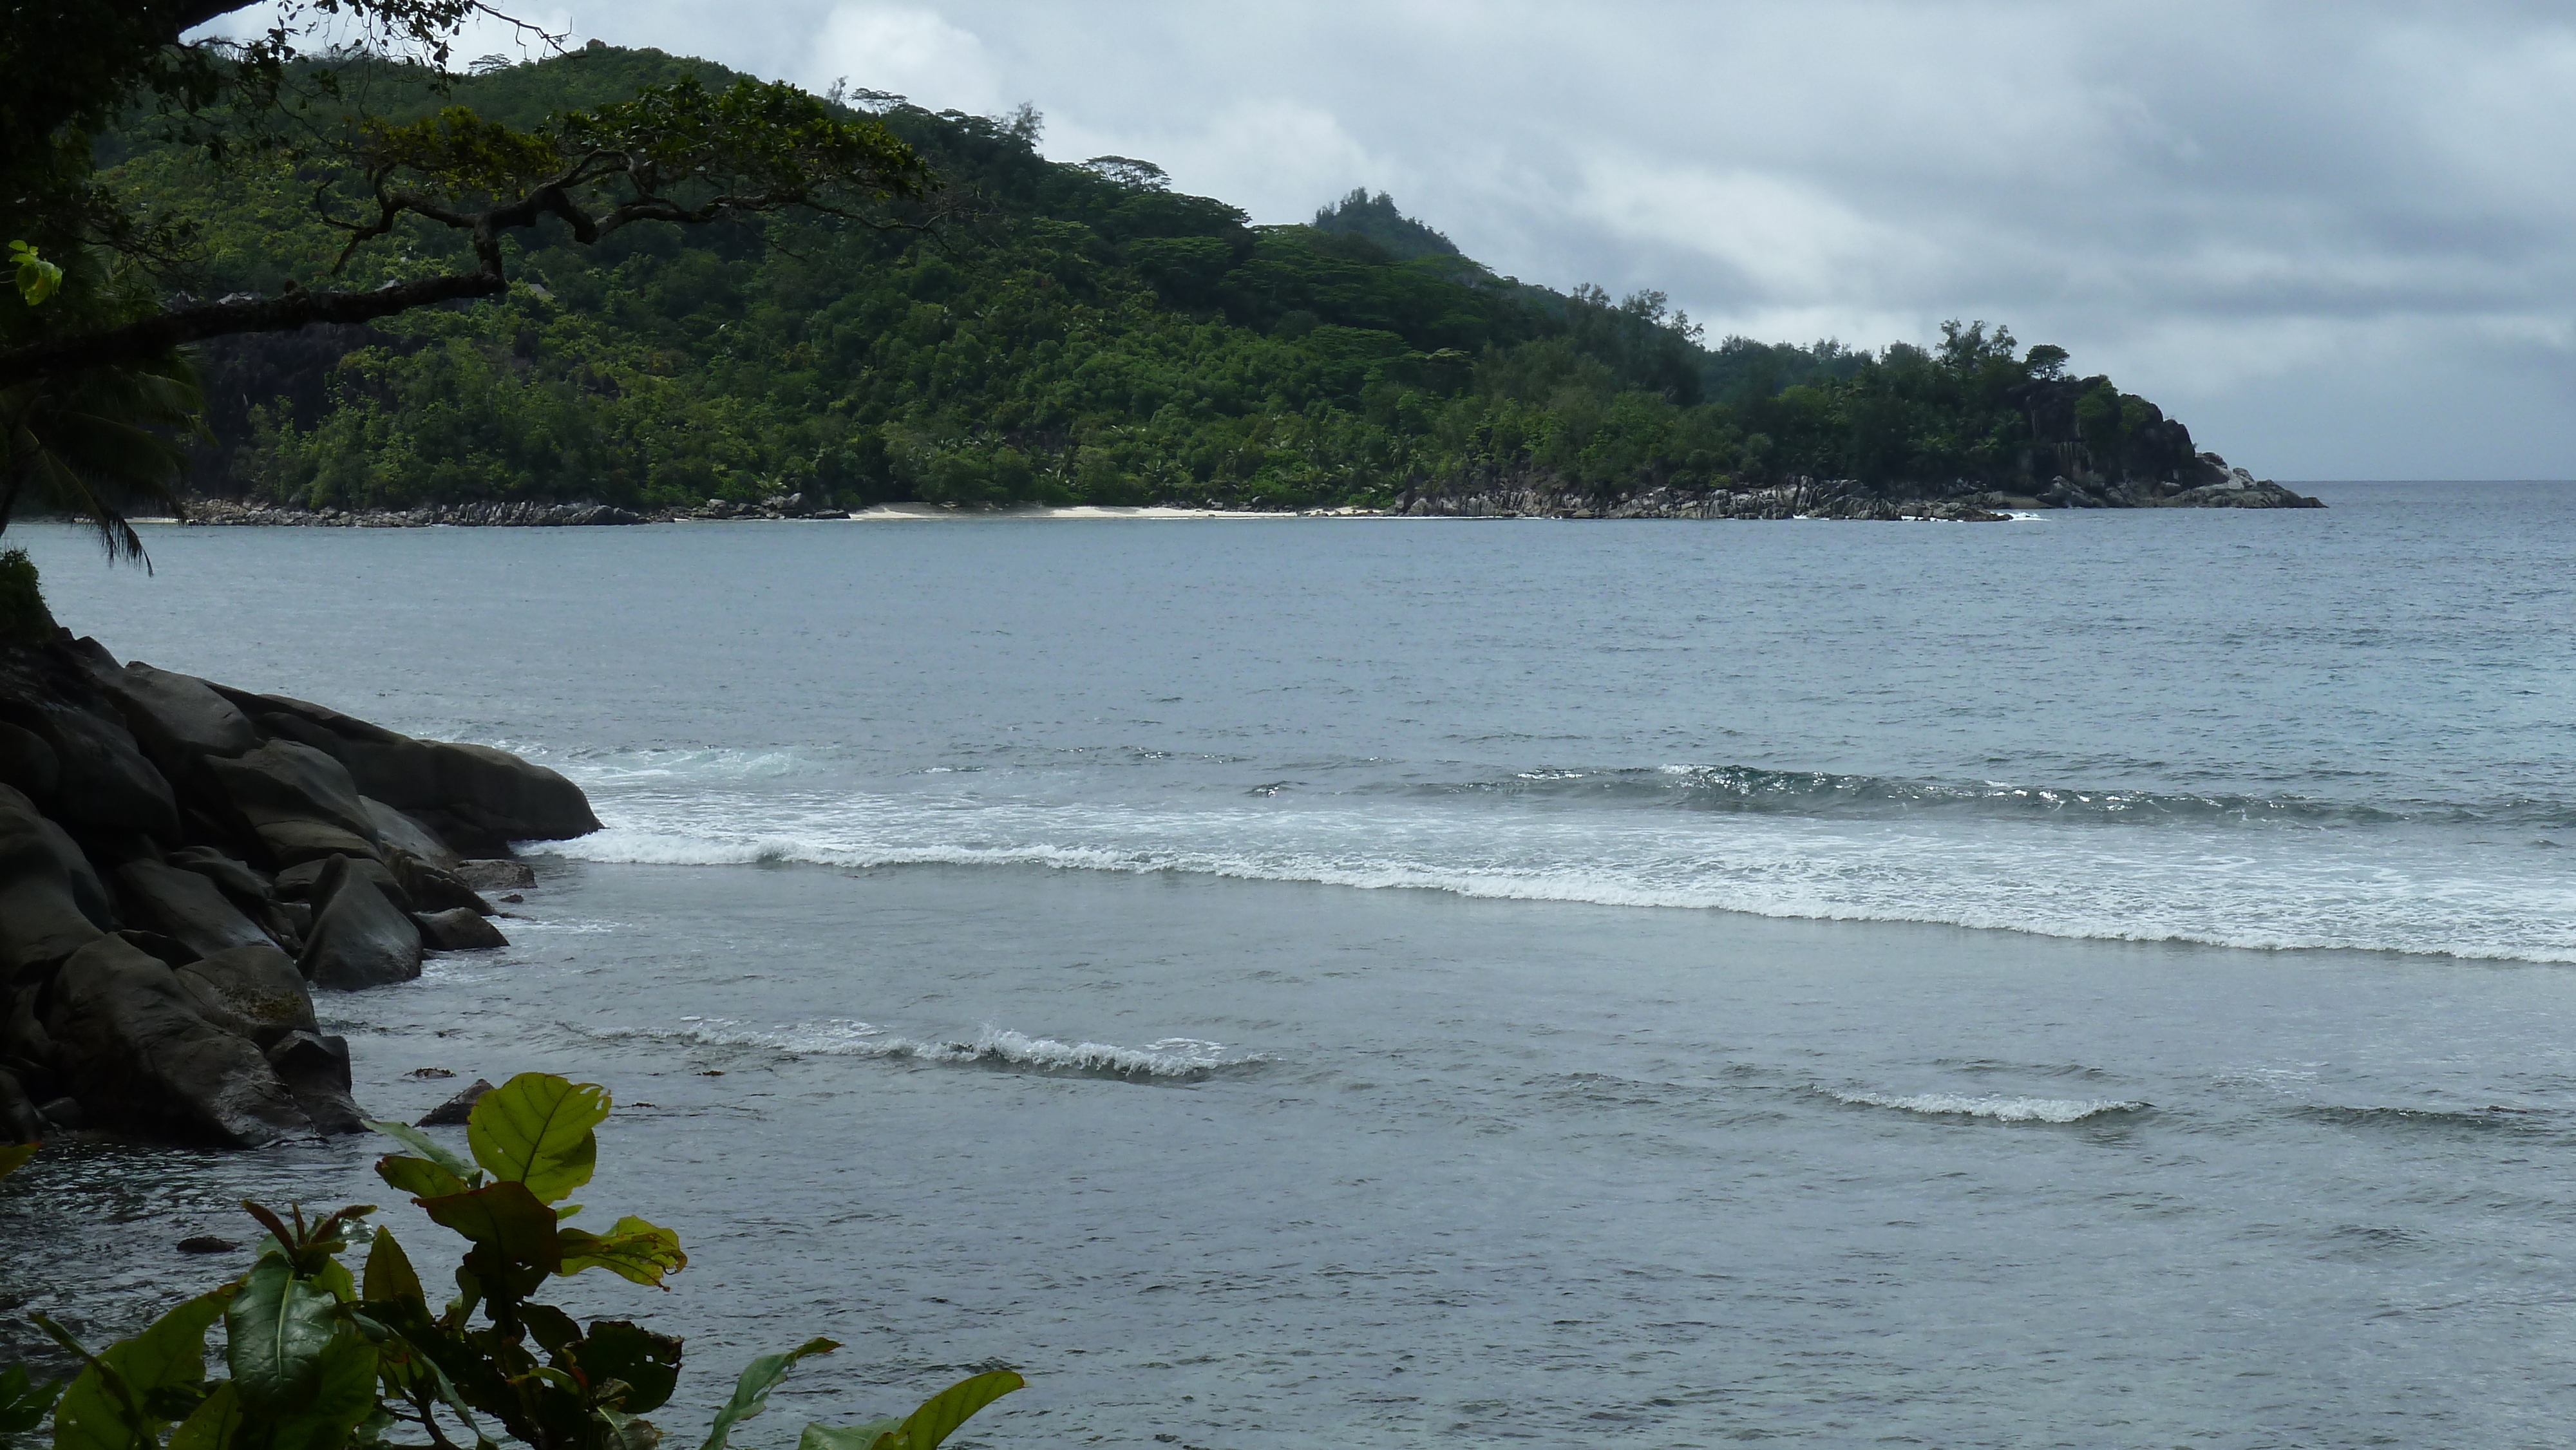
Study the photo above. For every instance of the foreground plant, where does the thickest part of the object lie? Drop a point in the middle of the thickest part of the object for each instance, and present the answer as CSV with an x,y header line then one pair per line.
x,y
320,1358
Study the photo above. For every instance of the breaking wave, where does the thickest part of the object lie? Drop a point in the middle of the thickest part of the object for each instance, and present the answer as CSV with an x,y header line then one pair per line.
x,y
1172,1059
2001,1109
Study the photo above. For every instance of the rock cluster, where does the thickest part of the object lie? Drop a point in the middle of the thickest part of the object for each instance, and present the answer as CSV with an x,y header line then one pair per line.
x,y
489,515
2207,483
181,863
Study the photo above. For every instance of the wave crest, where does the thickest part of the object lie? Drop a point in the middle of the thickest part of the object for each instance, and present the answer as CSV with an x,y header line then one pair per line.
x,y
2000,1108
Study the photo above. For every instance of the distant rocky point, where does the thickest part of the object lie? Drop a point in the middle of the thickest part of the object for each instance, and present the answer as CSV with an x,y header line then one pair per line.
x,y
182,863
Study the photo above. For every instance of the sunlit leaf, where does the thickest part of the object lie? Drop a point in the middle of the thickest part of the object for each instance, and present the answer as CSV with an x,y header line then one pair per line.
x,y
535,1129
751,1389
941,1414
848,1437
427,1147
14,1154
634,1250
420,1177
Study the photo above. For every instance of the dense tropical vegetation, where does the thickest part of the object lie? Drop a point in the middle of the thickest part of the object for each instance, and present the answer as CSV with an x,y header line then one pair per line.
x,y
1083,334
319,1357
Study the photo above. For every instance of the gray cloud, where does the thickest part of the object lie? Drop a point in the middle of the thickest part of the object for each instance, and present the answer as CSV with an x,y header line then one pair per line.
x,y
2331,236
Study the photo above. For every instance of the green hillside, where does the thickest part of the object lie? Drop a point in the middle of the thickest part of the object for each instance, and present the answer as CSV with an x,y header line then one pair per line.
x,y
1087,336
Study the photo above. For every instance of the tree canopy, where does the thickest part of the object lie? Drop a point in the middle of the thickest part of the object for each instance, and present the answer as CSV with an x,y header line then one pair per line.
x,y
94,316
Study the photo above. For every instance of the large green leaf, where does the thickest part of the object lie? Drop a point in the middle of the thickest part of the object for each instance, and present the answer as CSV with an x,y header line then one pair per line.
x,y
277,1329
214,1423
13,1154
23,1403
941,1414
648,1363
848,1437
421,1178
108,1405
342,1392
634,1250
751,1389
535,1129
506,1216
427,1147
389,1271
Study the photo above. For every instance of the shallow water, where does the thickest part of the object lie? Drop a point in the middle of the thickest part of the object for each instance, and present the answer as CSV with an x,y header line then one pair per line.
x,y
1550,1150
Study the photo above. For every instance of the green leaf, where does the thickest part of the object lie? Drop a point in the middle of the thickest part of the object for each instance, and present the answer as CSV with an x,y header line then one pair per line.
x,y
628,1432
751,1389
106,1406
277,1329
507,1217
38,279
636,1251
848,1437
342,1393
23,1403
421,1178
389,1271
14,1154
214,1424
535,1129
647,1363
427,1147
941,1414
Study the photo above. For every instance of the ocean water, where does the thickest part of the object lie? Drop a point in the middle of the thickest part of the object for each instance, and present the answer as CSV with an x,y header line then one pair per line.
x,y
2095,980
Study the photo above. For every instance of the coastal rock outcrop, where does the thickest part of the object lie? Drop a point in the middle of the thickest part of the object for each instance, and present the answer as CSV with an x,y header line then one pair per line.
x,y
182,863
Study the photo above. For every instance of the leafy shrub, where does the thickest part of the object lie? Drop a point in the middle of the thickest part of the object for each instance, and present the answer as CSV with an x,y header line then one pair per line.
x,y
24,619
324,1359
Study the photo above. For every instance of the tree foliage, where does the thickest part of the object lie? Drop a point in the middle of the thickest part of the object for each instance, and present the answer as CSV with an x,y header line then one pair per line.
x,y
321,1358
1095,337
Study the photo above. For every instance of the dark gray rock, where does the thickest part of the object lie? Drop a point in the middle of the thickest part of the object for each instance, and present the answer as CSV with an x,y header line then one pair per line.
x,y
401,772
41,921
19,1122
178,718
27,764
458,929
299,801
250,991
314,881
106,784
206,1244
359,939
63,1115
398,832
237,880
489,875
511,798
431,889
186,906
88,892
140,1059
316,1069
457,1111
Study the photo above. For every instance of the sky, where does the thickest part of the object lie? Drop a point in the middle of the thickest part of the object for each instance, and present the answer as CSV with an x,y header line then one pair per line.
x,y
2333,238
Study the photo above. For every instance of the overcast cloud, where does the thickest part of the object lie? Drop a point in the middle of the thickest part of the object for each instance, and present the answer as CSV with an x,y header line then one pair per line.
x,y
2334,238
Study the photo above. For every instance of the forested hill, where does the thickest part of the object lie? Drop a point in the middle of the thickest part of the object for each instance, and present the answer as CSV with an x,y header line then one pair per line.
x,y
1092,337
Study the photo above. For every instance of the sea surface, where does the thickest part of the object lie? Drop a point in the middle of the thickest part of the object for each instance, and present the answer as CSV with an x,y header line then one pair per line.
x,y
2098,980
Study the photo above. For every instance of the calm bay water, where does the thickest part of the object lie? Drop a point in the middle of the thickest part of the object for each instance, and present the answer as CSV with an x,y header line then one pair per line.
x,y
2099,980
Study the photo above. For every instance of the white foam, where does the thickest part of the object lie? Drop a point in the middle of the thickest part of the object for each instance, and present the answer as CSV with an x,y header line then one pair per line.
x,y
2002,1109
2205,882
1170,1057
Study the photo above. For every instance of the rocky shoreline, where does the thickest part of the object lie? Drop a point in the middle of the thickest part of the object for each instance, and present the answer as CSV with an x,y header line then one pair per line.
x,y
2209,483
182,864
